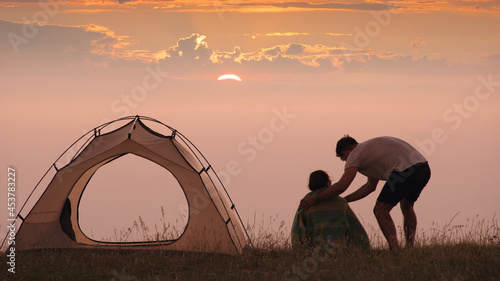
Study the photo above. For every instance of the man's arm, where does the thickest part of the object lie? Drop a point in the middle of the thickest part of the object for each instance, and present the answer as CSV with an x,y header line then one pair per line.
x,y
332,191
363,191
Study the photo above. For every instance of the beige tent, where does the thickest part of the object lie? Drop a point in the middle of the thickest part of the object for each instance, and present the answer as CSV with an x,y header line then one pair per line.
x,y
213,224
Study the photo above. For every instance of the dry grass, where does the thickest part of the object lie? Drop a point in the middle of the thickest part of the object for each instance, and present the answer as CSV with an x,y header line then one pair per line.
x,y
451,253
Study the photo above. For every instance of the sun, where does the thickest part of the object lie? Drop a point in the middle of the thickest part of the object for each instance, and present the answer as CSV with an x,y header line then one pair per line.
x,y
229,76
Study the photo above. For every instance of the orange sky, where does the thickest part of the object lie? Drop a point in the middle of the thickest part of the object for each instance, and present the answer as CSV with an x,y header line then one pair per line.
x,y
424,72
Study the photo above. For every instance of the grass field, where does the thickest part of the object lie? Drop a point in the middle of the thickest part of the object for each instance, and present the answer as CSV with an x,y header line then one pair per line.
x,y
451,253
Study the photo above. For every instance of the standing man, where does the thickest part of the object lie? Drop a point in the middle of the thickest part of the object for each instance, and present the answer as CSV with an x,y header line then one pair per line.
x,y
404,169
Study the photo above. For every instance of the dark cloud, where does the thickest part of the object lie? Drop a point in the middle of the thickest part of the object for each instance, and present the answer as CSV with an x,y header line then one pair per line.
x,y
295,49
33,41
331,6
488,5
494,58
273,51
44,46
19,1
345,51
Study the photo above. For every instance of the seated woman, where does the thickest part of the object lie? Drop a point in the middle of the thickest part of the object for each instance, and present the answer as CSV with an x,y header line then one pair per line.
x,y
331,221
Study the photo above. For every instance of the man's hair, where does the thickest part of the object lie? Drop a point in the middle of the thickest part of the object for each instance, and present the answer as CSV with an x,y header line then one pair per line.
x,y
318,179
345,143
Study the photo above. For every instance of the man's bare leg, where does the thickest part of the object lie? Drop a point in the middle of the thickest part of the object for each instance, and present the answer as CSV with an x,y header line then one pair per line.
x,y
410,221
382,213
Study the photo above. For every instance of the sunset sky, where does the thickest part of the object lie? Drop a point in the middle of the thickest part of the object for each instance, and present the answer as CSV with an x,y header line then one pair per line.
x,y
424,71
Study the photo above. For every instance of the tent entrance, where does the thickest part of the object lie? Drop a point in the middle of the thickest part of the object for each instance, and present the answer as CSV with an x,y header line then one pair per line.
x,y
132,199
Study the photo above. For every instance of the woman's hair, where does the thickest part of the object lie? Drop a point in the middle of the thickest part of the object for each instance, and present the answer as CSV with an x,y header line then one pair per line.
x,y
318,179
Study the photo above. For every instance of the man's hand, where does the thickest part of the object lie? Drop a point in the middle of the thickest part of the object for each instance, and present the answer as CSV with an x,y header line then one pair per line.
x,y
307,202
333,190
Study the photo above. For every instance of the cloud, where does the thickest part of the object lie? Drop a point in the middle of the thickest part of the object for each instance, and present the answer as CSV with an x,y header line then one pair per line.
x,y
190,50
228,5
222,57
290,34
494,57
339,34
286,34
193,55
295,49
111,44
272,52
29,40
477,5
19,1
365,6
221,6
57,45
417,43
87,11
415,46
305,55
91,46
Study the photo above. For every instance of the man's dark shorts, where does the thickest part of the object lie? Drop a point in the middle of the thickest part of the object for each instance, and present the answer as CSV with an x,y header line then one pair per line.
x,y
405,184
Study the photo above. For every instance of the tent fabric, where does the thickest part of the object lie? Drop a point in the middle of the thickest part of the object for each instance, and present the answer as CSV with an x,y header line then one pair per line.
x,y
213,224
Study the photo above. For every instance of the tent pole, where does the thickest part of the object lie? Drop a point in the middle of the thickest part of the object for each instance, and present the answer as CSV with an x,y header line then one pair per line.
x,y
133,126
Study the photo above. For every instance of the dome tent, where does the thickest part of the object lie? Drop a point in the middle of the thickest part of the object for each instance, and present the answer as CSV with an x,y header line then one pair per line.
x,y
213,222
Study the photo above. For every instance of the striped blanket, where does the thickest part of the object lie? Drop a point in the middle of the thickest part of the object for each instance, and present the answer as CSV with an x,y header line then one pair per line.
x,y
331,221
